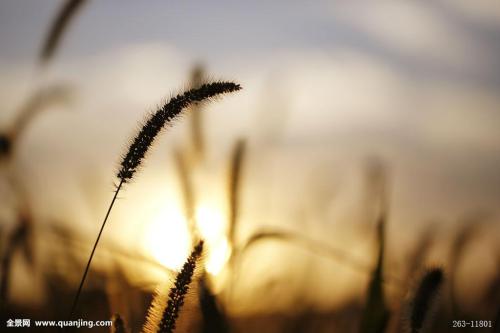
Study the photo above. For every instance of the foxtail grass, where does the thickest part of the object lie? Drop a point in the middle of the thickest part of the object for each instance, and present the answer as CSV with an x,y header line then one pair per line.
x,y
496,324
420,252
467,231
5,145
164,313
16,240
66,14
233,195
140,145
234,188
165,115
64,237
324,250
424,299
39,101
213,314
118,325
213,318
187,191
376,315
196,123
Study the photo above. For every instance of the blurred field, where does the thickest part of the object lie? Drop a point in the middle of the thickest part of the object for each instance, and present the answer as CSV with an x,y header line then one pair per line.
x,y
362,151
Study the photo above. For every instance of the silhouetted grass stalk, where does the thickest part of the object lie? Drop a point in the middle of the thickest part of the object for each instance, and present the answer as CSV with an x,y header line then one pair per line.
x,y
67,12
143,141
162,318
118,324
376,314
188,195
15,241
235,173
424,298
317,247
197,137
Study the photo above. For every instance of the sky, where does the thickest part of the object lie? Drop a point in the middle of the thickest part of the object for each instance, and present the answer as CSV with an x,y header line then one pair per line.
x,y
327,85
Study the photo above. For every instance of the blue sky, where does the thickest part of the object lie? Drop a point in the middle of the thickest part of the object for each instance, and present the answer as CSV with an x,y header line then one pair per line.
x,y
243,29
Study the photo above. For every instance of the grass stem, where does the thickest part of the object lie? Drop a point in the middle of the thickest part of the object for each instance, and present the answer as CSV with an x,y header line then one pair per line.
x,y
87,267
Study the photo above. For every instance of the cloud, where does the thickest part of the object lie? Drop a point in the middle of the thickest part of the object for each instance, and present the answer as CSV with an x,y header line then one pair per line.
x,y
414,29
482,11
338,103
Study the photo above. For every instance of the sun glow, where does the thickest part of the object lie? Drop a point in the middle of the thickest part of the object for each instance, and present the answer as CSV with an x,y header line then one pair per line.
x,y
212,224
218,256
167,239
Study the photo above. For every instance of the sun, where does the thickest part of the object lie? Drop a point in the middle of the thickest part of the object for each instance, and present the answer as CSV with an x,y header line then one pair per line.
x,y
166,238
212,224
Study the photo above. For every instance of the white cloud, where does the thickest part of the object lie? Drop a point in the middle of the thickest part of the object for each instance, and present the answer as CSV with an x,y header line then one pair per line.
x,y
412,28
487,11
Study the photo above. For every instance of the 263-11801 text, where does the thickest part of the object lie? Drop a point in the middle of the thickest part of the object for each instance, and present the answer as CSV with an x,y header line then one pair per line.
x,y
471,324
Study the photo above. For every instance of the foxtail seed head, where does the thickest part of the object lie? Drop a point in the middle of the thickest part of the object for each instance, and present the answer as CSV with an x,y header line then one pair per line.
x,y
163,313
166,114
424,298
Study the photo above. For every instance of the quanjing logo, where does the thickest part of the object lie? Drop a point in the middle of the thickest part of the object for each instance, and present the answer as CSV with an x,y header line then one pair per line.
x,y
19,323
